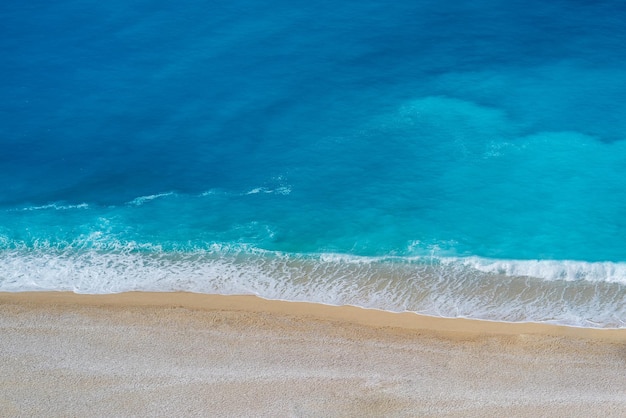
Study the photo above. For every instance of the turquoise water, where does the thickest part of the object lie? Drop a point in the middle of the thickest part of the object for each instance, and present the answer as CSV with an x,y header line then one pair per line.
x,y
461,159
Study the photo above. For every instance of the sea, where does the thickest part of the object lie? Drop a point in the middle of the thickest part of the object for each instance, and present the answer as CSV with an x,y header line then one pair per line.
x,y
448,158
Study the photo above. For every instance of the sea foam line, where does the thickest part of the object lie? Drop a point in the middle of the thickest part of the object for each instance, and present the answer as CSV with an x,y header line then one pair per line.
x,y
433,287
138,201
55,206
569,270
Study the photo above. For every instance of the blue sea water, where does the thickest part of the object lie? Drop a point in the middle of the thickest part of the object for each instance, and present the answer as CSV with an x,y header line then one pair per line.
x,y
459,159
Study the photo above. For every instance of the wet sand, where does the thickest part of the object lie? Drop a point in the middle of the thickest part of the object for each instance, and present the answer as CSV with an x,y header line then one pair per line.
x,y
180,354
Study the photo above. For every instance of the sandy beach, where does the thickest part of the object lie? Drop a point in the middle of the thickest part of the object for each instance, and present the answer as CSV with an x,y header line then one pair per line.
x,y
178,354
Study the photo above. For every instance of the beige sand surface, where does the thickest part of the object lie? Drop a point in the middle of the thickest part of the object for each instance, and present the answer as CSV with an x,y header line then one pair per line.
x,y
177,354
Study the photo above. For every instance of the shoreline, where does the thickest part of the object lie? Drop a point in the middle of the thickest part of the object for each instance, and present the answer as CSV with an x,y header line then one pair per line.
x,y
349,314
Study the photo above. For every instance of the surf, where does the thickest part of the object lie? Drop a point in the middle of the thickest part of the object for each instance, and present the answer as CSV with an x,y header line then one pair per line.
x,y
560,292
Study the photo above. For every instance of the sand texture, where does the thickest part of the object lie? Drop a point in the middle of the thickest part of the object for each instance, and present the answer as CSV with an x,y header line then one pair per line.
x,y
188,355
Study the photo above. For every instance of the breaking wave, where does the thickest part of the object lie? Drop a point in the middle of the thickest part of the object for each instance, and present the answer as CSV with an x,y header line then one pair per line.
x,y
562,292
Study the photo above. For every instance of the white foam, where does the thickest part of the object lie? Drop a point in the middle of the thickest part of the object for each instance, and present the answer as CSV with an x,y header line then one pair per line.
x,y
54,206
138,201
568,270
464,287
282,190
211,192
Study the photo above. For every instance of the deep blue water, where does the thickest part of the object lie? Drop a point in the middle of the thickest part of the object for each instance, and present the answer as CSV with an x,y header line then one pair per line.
x,y
459,159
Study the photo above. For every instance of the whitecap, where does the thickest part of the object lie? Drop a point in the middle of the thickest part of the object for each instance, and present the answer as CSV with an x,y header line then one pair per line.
x,y
53,206
138,201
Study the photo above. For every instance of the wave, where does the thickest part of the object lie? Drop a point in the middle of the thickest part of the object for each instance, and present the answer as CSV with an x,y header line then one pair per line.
x,y
572,293
54,206
283,190
138,201
568,270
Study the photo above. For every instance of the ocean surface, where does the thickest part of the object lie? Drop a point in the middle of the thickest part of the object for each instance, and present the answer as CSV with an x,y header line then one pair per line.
x,y
456,159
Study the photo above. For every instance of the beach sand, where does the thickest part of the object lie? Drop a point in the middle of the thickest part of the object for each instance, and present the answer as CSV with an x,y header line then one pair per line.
x,y
179,354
